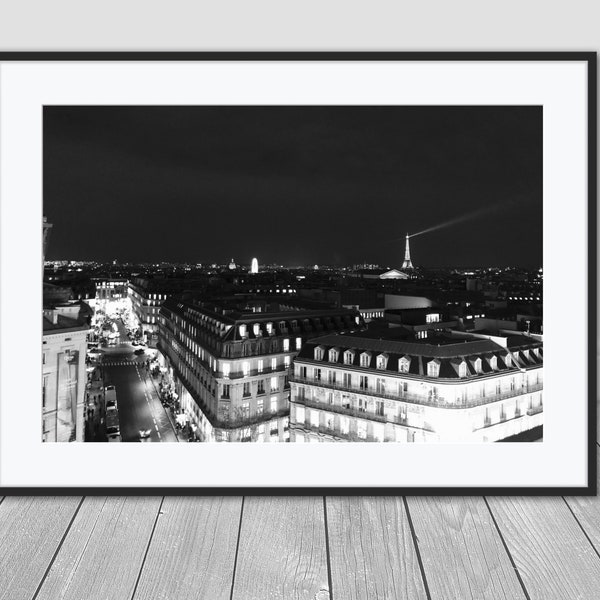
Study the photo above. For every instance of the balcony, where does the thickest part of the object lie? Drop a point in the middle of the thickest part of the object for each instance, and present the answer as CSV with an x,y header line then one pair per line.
x,y
424,399
534,410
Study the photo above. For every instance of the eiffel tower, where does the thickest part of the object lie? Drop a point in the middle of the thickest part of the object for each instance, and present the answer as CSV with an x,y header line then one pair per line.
x,y
407,264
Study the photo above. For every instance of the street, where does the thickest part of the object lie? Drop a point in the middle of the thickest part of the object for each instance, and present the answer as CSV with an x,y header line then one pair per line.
x,y
137,400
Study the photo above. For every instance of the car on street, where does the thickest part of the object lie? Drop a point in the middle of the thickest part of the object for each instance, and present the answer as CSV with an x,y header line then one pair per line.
x,y
139,351
145,435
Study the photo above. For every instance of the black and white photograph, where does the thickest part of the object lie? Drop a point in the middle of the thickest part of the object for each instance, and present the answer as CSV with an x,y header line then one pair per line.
x,y
298,275
293,274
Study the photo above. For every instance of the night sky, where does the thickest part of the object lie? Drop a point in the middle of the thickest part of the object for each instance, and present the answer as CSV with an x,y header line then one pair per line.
x,y
294,185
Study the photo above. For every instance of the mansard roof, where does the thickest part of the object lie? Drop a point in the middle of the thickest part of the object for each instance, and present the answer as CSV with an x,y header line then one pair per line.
x,y
449,351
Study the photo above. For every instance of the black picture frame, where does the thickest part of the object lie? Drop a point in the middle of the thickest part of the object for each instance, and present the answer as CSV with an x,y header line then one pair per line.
x,y
590,58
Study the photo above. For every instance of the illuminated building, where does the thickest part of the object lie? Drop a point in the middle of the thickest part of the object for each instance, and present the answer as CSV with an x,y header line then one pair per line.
x,y
357,387
64,346
232,265
147,295
254,266
230,360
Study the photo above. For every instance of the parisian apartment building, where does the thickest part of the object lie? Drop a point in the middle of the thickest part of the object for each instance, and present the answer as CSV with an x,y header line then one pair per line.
x,y
64,346
231,359
447,387
147,295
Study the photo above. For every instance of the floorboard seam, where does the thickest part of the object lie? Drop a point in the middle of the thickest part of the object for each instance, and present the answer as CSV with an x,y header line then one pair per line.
x,y
237,548
60,544
510,557
582,528
327,551
137,581
417,549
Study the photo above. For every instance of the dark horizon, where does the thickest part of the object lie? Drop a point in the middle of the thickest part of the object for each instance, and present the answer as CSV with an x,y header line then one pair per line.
x,y
295,185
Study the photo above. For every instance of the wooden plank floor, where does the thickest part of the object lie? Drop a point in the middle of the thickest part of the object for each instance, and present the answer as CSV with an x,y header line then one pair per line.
x,y
287,548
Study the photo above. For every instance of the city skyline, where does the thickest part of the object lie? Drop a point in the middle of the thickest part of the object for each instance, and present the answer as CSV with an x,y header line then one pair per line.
x,y
295,185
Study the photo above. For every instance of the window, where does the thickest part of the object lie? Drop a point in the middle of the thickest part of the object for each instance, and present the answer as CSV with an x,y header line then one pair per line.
x,y
329,397
403,387
361,430
508,360
404,364
318,353
333,355
344,425
226,368
261,365
274,364
274,430
270,328
286,362
432,318
300,414
462,369
347,380
243,331
245,410
298,343
365,359
259,406
317,373
494,363
274,404
225,393
433,368
378,431
274,384
382,360
314,418
302,372
246,368
364,382
44,385
256,329
348,357
477,365
261,387
247,389
380,385
332,377
286,345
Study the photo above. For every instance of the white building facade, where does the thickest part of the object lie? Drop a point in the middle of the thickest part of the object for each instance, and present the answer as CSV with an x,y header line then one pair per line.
x,y
352,388
64,379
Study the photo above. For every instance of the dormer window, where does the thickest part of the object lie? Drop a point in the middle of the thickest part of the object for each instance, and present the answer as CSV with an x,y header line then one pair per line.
x,y
282,326
462,369
256,329
270,328
357,320
404,364
382,361
494,363
526,354
319,353
365,359
333,355
508,360
433,368
243,329
477,365
348,357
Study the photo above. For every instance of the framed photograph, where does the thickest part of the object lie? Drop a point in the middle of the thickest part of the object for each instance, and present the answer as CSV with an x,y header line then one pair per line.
x,y
298,273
